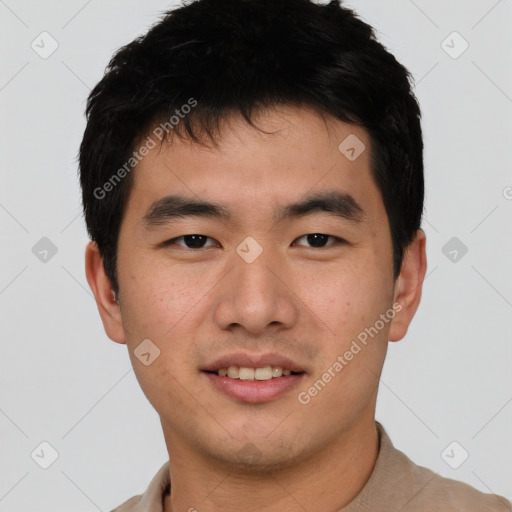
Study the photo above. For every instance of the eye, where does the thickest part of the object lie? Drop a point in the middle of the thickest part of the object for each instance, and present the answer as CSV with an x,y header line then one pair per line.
x,y
190,241
196,241
319,240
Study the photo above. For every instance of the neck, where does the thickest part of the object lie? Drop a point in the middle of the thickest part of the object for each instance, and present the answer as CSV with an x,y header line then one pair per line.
x,y
329,480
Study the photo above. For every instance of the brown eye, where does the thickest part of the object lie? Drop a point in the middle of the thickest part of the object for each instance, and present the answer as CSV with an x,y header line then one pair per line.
x,y
319,240
190,241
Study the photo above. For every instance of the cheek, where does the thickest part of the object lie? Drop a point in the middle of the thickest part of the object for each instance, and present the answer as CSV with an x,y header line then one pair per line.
x,y
161,308
355,349
350,299
167,309
158,296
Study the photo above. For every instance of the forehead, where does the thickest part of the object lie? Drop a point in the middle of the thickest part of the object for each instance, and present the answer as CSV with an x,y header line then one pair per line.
x,y
297,152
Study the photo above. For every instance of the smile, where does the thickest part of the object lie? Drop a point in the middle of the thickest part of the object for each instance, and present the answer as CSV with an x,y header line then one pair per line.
x,y
247,373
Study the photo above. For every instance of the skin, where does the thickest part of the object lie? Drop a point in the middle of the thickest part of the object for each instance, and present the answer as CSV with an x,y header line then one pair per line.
x,y
295,299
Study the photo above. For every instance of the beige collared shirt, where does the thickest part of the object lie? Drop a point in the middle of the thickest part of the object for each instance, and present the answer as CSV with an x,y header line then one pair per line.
x,y
395,485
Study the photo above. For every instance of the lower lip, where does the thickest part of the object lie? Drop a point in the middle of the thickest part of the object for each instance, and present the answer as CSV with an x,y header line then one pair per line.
x,y
254,391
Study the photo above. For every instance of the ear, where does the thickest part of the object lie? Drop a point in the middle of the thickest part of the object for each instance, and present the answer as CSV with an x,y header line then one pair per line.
x,y
99,283
409,285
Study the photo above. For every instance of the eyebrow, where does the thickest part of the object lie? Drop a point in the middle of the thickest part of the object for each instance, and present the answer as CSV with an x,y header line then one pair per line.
x,y
171,207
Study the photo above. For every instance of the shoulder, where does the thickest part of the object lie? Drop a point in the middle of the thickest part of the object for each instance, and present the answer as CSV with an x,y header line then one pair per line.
x,y
151,499
419,489
129,505
435,492
455,496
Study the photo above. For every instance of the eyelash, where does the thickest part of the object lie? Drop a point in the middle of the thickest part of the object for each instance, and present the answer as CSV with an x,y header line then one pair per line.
x,y
172,241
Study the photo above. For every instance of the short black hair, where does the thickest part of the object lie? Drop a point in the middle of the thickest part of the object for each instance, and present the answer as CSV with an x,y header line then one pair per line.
x,y
225,57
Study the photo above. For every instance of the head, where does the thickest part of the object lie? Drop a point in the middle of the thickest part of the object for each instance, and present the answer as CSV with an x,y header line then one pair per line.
x,y
296,123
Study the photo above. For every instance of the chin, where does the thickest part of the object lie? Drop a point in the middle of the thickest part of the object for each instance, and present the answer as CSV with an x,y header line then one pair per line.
x,y
258,454
252,461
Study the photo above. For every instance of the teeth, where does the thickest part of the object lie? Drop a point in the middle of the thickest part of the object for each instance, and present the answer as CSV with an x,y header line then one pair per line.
x,y
244,373
264,373
233,372
277,371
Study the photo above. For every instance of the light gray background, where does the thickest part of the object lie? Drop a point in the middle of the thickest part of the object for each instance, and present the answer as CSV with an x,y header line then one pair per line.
x,y
63,381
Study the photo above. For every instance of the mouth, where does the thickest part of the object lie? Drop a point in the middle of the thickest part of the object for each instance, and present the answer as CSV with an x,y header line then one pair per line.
x,y
254,378
246,373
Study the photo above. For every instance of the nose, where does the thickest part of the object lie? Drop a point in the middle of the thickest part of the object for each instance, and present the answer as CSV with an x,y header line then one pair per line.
x,y
256,296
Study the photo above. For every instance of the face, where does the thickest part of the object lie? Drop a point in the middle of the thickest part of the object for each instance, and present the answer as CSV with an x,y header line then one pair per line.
x,y
285,263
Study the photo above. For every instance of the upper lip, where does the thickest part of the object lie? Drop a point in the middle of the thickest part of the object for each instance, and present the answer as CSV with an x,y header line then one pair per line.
x,y
253,361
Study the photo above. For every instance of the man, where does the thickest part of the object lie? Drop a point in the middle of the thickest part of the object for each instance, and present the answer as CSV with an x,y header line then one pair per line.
x,y
252,181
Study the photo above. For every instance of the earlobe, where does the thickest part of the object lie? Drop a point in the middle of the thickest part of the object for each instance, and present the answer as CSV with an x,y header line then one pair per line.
x,y
106,301
409,286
